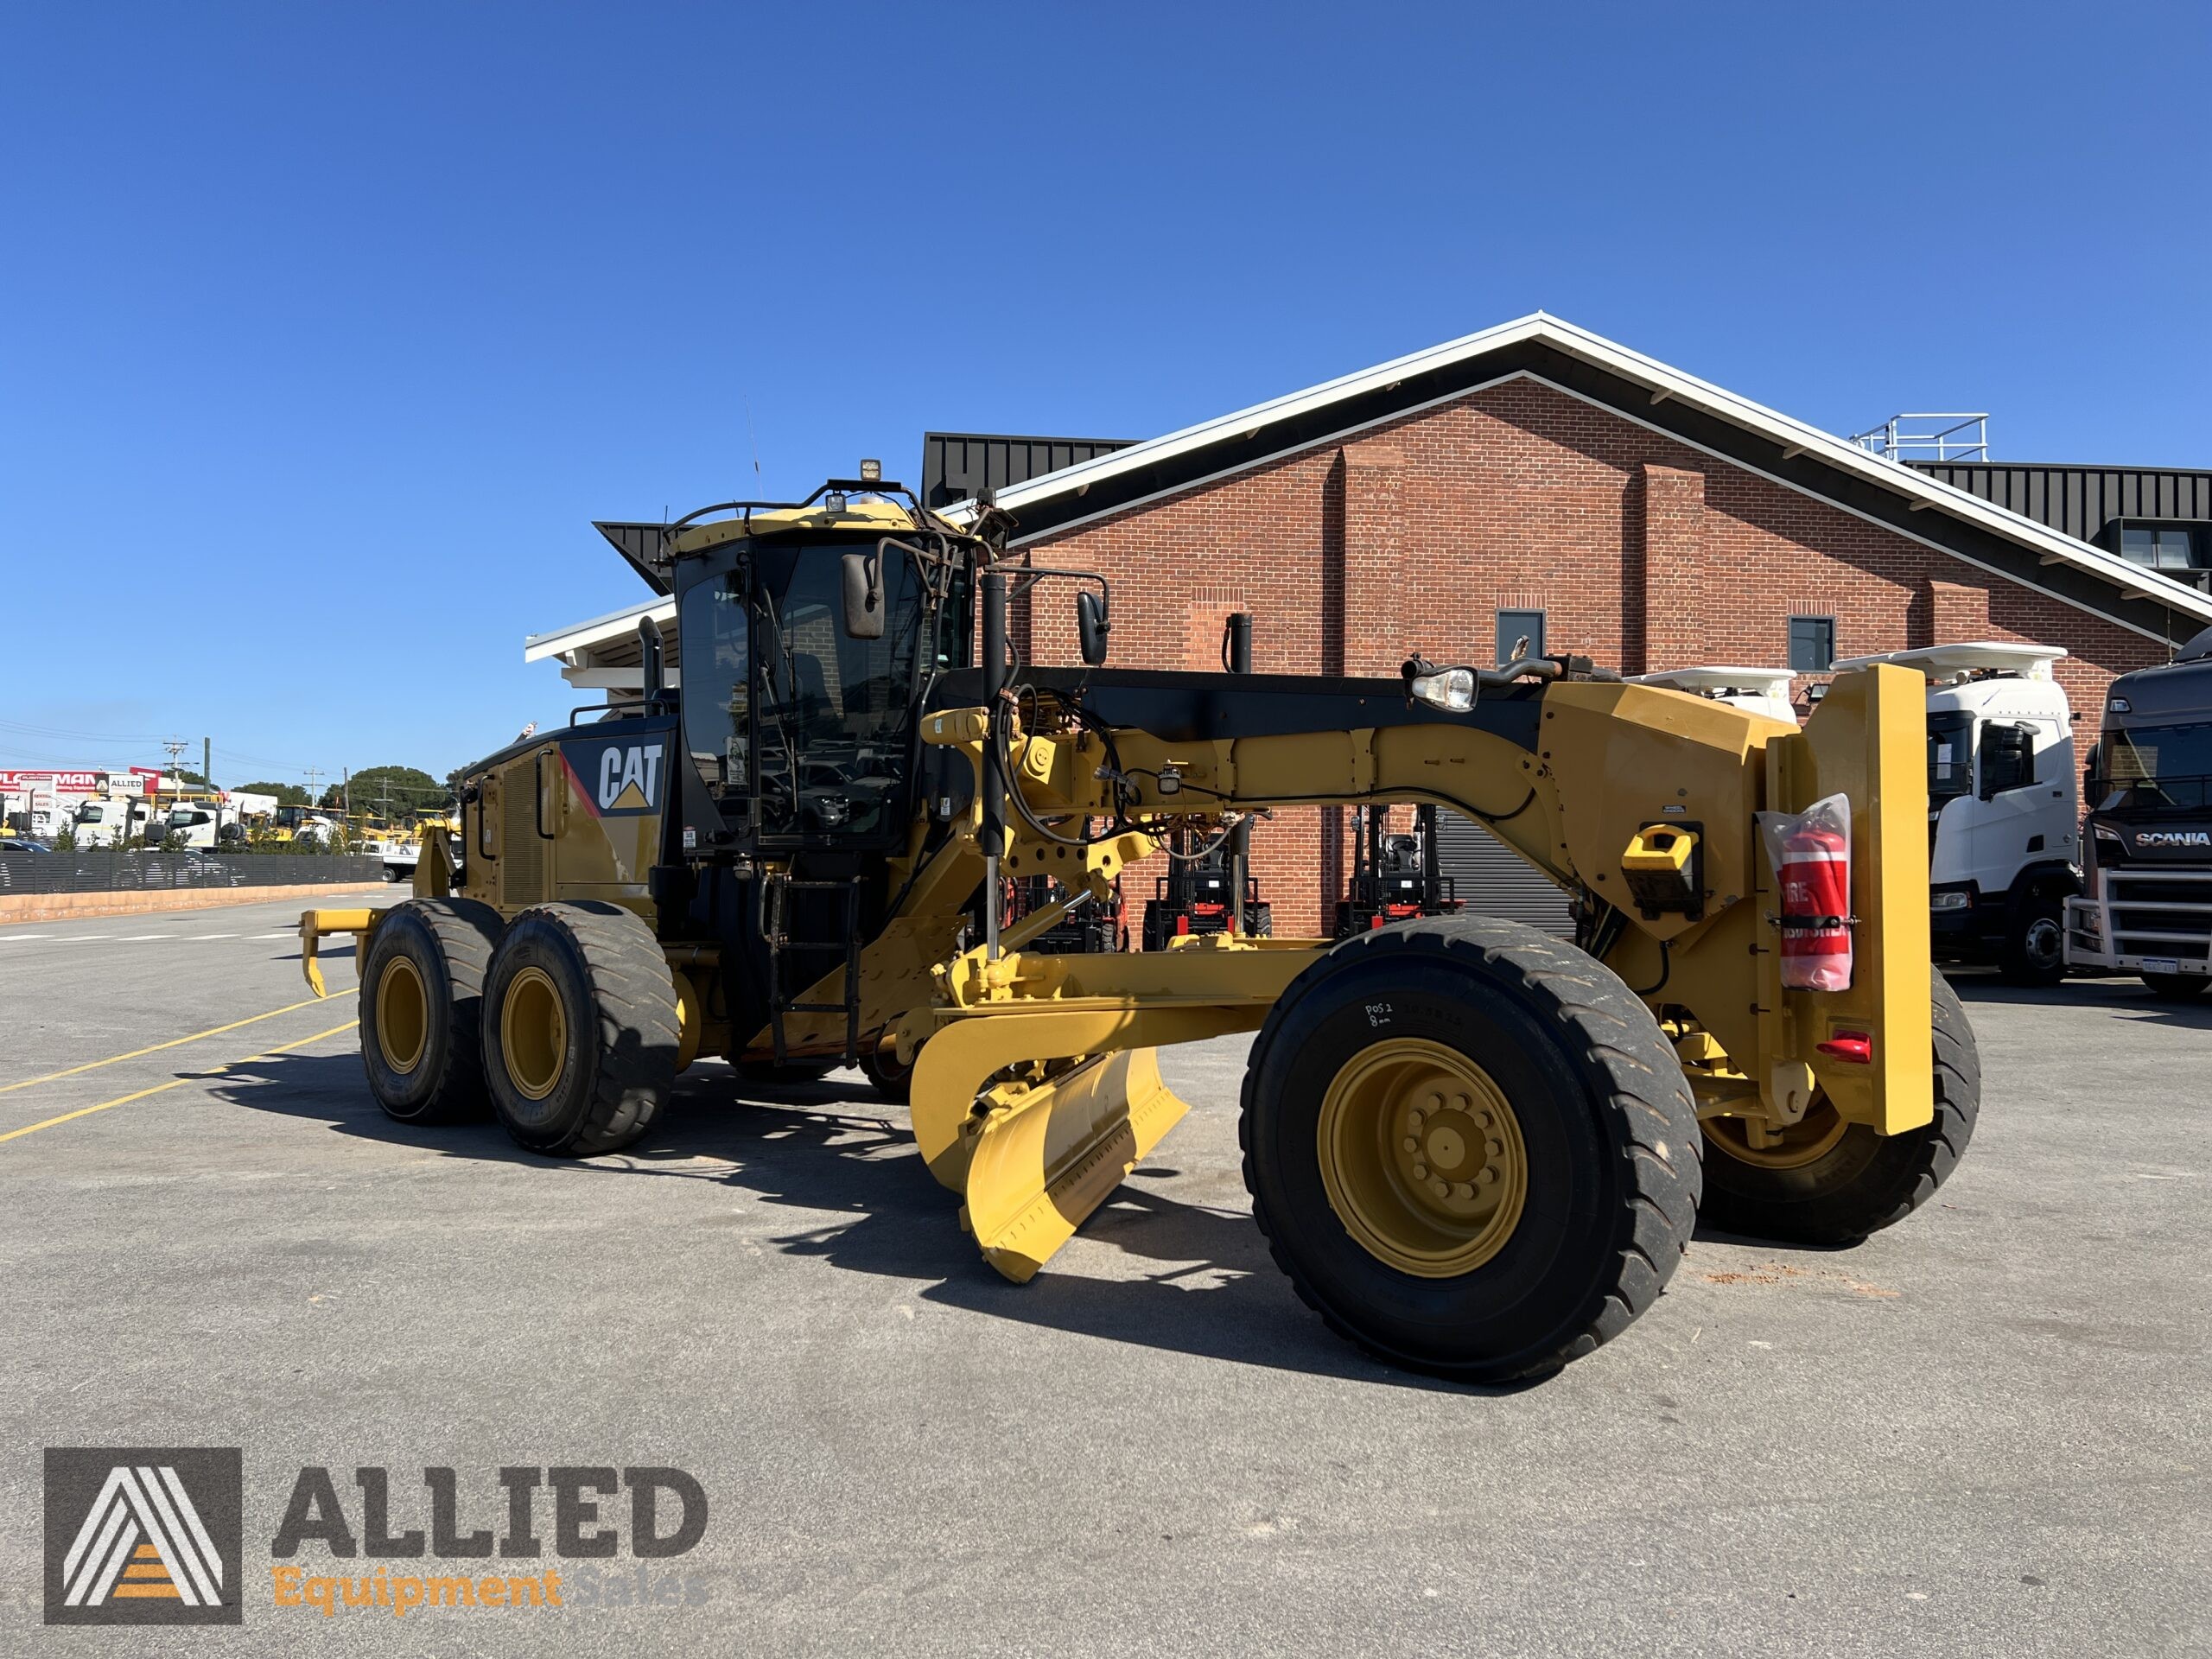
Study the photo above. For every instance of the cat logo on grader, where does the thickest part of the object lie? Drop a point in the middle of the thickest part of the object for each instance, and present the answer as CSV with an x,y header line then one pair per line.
x,y
623,778
1475,1149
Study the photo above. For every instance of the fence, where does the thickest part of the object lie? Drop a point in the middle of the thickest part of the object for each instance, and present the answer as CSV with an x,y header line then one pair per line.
x,y
105,870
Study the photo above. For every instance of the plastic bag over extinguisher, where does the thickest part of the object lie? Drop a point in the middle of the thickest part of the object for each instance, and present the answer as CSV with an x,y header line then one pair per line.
x,y
1811,855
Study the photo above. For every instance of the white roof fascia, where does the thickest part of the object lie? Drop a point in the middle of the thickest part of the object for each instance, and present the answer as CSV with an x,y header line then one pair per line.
x,y
600,630
1795,436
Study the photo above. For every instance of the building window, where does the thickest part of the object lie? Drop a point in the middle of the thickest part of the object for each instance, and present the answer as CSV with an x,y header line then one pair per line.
x,y
2163,547
1513,626
1812,644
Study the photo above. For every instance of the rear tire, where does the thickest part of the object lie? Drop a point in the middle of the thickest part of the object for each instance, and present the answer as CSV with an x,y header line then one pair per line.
x,y
580,1030
1842,1183
422,1009
2176,988
1560,1127
2035,945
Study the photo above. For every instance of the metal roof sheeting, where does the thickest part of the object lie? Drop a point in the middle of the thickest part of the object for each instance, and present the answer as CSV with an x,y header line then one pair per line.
x,y
955,465
2082,501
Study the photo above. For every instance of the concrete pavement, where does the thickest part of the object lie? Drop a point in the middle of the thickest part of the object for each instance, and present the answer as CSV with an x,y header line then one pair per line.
x,y
1984,1432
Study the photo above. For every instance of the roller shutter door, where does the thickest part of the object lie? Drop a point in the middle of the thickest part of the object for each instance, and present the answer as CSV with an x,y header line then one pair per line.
x,y
1490,879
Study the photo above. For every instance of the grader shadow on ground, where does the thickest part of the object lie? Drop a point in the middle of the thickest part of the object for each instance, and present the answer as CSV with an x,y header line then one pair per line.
x,y
1215,1294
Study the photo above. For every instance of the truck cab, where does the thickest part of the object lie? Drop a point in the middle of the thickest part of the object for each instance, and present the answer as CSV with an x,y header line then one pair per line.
x,y
2004,812
2148,910
109,820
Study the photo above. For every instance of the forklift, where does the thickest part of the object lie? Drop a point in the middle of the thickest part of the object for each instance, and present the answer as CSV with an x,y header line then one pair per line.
x,y
1198,896
1085,927
1394,877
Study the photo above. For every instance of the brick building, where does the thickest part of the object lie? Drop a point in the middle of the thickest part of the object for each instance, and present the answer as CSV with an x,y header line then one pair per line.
x,y
1537,479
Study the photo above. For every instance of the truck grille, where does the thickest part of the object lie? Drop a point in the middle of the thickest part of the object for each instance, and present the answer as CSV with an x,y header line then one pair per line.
x,y
2168,914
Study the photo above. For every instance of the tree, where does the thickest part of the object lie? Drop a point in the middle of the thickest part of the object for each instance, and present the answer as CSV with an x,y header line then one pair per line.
x,y
286,794
398,791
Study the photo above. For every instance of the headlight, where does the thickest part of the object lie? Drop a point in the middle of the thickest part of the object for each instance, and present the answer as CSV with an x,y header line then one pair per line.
x,y
1445,688
2106,832
1952,900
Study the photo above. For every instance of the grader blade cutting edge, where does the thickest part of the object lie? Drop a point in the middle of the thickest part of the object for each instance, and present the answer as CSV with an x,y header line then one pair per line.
x,y
1034,1145
1044,1158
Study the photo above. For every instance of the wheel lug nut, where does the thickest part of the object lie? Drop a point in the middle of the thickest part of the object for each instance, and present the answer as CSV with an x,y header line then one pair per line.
x,y
1436,1103
1461,1102
1421,1171
1440,1188
1415,1119
1463,1191
1412,1145
1496,1148
1487,1177
1482,1120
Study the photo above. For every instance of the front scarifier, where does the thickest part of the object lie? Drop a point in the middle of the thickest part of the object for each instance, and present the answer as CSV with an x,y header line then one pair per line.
x,y
1476,1150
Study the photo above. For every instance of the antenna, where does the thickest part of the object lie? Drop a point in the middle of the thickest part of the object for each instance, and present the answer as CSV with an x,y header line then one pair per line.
x,y
751,437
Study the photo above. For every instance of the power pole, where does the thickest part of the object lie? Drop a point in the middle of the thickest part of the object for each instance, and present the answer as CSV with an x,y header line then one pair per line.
x,y
313,772
208,762
176,746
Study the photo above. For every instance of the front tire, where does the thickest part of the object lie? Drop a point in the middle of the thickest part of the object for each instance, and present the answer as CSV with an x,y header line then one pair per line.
x,y
2035,945
422,1009
581,1031
2176,988
1469,1147
1831,1184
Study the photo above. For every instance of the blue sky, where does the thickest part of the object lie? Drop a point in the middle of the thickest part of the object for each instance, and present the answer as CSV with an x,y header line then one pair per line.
x,y
325,330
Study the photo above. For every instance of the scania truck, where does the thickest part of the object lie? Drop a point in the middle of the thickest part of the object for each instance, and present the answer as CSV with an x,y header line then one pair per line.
x,y
2148,911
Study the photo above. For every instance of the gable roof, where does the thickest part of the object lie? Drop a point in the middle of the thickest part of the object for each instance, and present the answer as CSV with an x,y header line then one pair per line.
x,y
1597,371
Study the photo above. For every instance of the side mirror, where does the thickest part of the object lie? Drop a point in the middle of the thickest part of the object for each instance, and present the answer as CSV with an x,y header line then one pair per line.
x,y
1092,625
2008,759
864,595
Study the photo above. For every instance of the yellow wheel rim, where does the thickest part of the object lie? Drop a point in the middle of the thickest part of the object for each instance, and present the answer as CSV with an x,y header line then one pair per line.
x,y
403,1014
1808,1140
1422,1158
533,1032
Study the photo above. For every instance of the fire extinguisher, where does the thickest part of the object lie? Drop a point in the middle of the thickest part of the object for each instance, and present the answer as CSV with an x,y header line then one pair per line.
x,y
1814,873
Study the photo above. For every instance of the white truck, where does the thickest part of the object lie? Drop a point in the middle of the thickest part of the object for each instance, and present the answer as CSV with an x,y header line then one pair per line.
x,y
2003,805
2003,809
398,849
110,820
213,823
2148,911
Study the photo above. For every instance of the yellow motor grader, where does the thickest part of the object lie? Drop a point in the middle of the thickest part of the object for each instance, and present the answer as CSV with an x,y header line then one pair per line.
x,y
1477,1150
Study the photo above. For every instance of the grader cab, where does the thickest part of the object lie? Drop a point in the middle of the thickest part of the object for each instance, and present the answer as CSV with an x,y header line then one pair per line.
x,y
1475,1149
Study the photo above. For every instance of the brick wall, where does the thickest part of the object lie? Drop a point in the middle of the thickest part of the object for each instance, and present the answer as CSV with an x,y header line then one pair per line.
x,y
1644,554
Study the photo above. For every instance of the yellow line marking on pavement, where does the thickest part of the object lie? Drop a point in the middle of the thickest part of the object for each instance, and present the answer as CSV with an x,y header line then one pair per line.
x,y
175,1042
175,1082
